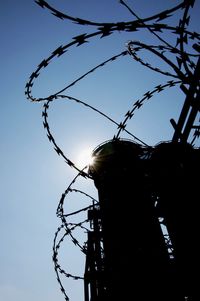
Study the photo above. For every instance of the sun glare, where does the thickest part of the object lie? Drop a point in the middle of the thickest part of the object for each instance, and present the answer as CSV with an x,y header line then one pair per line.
x,y
84,158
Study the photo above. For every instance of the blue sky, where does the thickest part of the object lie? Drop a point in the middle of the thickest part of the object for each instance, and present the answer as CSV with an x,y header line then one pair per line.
x,y
33,177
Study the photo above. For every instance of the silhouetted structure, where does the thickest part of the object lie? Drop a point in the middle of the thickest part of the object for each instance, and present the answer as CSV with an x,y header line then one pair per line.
x,y
142,191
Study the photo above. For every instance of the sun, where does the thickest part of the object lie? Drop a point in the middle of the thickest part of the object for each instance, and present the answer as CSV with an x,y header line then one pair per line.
x,y
84,158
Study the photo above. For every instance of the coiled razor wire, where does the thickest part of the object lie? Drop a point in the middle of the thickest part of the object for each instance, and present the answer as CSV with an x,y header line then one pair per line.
x,y
182,67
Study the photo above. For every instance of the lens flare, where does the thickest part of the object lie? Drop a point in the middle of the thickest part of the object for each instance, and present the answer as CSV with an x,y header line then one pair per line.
x,y
84,158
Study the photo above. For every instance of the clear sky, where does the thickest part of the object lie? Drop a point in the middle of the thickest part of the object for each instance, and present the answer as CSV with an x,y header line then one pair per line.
x,y
33,177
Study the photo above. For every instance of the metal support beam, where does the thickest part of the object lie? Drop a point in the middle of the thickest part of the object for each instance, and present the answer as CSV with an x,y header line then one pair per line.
x,y
189,110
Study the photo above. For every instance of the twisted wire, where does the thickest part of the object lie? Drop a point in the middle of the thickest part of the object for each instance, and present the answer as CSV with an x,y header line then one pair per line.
x,y
182,69
139,103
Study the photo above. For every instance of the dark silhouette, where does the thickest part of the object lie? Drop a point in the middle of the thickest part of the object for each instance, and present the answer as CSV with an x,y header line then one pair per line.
x,y
146,223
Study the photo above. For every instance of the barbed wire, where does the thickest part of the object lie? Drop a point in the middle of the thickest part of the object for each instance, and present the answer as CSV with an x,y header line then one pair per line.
x,y
181,69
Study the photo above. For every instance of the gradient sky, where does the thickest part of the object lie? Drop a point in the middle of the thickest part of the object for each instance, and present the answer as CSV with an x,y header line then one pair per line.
x,y
33,177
